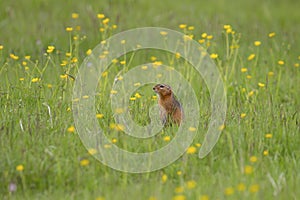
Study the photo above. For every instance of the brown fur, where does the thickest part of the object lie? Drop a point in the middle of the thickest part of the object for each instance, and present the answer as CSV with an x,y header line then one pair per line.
x,y
170,109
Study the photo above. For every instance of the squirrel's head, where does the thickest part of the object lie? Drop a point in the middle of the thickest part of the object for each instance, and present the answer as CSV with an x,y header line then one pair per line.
x,y
162,90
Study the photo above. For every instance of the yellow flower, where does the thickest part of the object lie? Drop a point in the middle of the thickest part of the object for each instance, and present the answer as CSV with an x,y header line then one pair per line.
x,y
198,144
50,49
157,63
222,127
74,60
92,151
244,69
64,63
164,178
201,41
179,173
153,58
137,84
266,152
243,115
64,76
34,80
104,74
204,197
120,127
226,26
254,188
179,189
248,76
100,198
229,30
241,187
191,150
137,95
179,197
271,74
75,100
257,43
71,129
1,47
21,79
152,198
132,98
123,41
182,26
85,97
190,28
75,15
261,85
68,109
167,138
99,116
100,16
89,52
13,56
191,184
268,135
154,97
204,35
253,159
177,55
250,93
296,65
248,169
27,57
123,62
214,55
24,63
120,78
209,37
192,129
115,61
229,191
20,168
188,37
280,62
163,33
84,162
251,56
69,29
114,140
105,21
272,34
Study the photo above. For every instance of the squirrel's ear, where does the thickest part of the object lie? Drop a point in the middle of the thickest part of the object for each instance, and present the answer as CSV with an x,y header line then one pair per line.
x,y
169,87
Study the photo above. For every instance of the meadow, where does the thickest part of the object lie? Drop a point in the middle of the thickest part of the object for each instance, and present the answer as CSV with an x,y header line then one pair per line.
x,y
256,47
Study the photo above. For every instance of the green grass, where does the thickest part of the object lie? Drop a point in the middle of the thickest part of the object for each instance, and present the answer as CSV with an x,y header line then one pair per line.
x,y
244,161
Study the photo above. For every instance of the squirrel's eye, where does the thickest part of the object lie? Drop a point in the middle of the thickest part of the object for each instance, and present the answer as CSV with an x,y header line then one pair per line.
x,y
161,86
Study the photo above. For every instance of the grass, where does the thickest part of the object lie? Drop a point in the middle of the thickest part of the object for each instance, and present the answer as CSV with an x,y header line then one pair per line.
x,y
257,156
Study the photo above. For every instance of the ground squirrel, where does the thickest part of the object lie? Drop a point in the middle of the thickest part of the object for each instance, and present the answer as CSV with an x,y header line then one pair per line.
x,y
170,108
